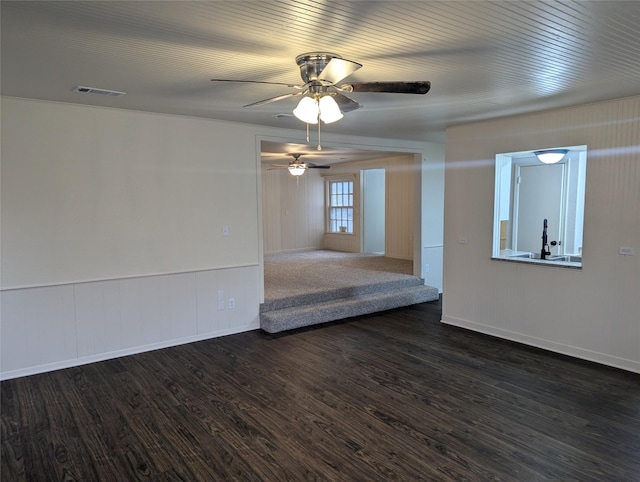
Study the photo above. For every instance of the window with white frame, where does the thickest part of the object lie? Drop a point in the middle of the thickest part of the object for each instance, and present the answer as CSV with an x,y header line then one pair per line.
x,y
340,206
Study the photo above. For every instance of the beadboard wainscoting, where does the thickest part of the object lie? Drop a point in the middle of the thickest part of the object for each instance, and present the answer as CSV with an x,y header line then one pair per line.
x,y
52,327
432,265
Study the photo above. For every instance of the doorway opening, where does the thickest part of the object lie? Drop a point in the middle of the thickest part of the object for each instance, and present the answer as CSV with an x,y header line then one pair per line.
x,y
373,210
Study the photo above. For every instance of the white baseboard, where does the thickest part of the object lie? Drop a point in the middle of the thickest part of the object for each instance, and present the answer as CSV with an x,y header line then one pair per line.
x,y
49,367
577,352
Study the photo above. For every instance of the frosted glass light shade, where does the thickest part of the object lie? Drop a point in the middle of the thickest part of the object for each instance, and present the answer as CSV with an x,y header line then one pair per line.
x,y
551,156
329,110
296,170
307,110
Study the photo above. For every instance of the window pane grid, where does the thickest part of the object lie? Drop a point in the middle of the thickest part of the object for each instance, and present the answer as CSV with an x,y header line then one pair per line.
x,y
341,206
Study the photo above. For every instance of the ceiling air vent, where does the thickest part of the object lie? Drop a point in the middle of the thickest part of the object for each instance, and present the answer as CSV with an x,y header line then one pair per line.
x,y
93,90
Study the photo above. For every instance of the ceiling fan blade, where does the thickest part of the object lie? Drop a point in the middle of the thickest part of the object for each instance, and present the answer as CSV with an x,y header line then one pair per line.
x,y
311,165
421,87
278,166
272,99
345,103
338,69
293,86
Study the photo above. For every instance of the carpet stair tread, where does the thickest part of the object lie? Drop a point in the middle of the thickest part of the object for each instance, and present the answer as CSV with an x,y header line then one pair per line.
x,y
339,293
354,305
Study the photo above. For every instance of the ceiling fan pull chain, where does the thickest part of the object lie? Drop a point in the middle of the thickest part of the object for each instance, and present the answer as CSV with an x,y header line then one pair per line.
x,y
319,146
307,132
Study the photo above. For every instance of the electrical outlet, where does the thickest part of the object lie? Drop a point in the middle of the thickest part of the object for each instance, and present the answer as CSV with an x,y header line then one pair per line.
x,y
627,251
462,240
231,303
426,268
225,230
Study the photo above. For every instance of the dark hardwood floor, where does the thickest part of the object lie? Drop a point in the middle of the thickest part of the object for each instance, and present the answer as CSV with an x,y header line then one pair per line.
x,y
388,396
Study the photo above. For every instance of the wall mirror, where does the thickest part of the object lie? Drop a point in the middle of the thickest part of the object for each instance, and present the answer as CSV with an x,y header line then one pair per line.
x,y
539,206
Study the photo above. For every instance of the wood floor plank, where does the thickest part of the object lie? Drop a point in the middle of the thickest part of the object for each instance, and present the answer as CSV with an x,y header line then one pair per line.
x,y
389,396
507,398
531,426
345,399
382,405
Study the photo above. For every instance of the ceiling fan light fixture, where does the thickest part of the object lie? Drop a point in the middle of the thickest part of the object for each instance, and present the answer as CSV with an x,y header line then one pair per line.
x,y
307,110
296,170
551,156
329,110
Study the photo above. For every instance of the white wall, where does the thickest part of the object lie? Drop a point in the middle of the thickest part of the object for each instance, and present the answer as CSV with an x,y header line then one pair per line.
x,y
373,210
431,216
592,313
111,230
292,210
94,193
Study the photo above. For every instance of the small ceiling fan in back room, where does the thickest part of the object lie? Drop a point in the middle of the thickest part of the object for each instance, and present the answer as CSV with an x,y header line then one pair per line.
x,y
297,167
323,98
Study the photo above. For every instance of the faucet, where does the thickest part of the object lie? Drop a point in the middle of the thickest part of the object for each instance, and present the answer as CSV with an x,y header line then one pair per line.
x,y
545,244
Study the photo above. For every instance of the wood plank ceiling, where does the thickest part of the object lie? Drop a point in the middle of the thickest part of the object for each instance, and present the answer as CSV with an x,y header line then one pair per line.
x,y
484,59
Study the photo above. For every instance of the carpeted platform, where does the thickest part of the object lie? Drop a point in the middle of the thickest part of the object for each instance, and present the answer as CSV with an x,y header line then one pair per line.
x,y
312,287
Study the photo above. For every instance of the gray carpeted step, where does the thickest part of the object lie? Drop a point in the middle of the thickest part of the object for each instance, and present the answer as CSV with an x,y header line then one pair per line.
x,y
322,312
337,293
